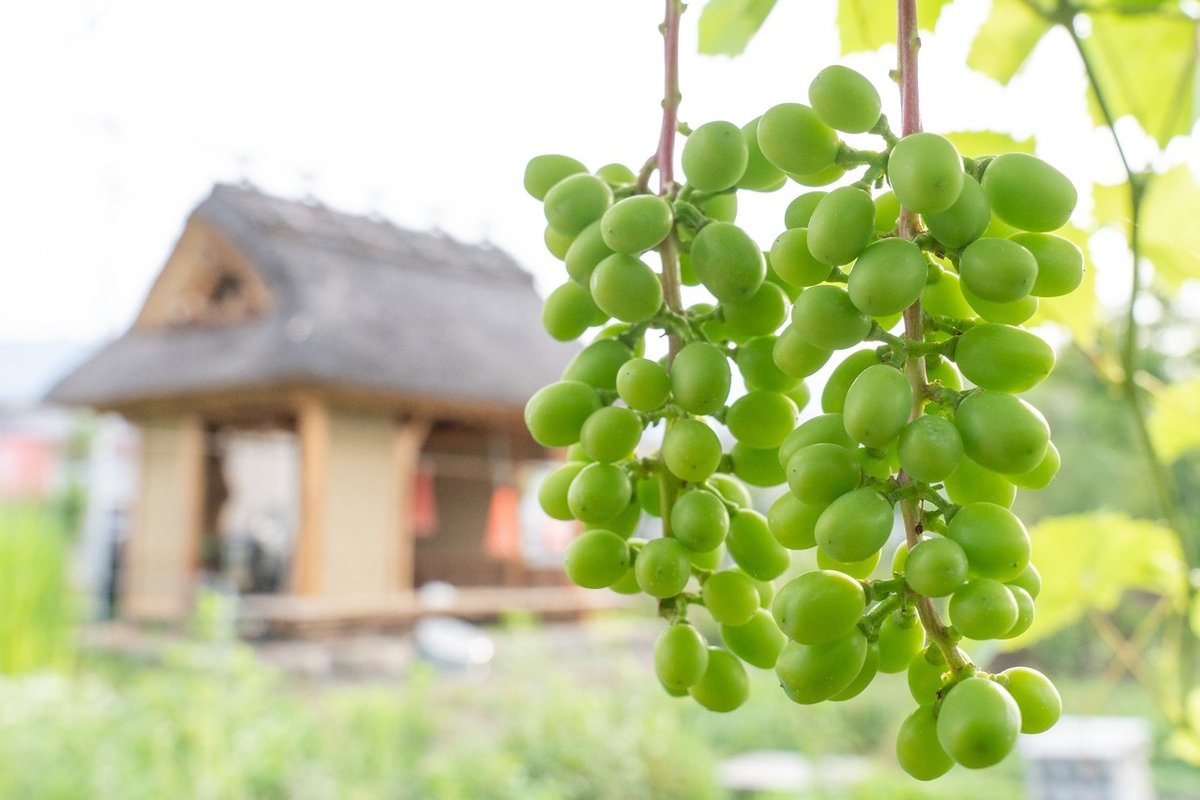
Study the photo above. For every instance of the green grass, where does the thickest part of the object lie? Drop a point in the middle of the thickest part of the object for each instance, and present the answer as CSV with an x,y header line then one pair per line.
x,y
37,612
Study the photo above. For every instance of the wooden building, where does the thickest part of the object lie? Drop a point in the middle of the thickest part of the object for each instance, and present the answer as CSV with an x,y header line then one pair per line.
x,y
394,364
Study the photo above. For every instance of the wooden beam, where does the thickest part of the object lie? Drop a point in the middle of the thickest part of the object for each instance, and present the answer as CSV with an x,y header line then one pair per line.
x,y
312,425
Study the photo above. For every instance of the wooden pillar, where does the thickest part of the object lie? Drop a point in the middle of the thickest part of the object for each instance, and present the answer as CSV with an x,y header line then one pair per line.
x,y
312,428
410,439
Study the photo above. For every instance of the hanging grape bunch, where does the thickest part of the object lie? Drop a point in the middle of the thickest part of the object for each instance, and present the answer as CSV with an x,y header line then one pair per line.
x,y
922,418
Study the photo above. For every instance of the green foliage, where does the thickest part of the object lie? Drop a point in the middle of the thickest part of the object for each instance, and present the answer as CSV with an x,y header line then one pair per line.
x,y
1173,421
36,606
1006,39
980,143
869,24
1169,237
727,26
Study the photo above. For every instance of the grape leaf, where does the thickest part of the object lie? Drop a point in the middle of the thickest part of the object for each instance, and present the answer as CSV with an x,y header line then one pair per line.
x,y
985,143
1089,561
1173,421
1146,67
1006,39
1110,203
1075,311
727,26
870,24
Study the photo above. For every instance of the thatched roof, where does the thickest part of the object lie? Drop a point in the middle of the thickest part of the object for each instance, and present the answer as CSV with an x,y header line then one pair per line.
x,y
355,304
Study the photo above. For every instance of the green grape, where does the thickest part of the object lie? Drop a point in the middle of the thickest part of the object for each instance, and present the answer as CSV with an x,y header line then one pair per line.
x,y
822,177
663,567
983,608
833,397
1030,580
887,213
759,314
727,261
720,207
996,543
900,557
542,172
978,723
800,210
877,405
855,525
818,606
1028,193
794,139
753,547
699,520
811,673
887,277
557,243
901,637
930,448
943,297
828,428
627,583
700,378
760,175
552,494
585,253
575,453
925,675
733,490
842,225
715,156
687,275
1001,432
596,559
680,656
917,747
761,419
878,464
792,261
1013,313
862,680
943,372
936,567
844,99
756,361
636,224
821,473
710,560
1060,263
997,270
758,642
599,493
795,357
643,384
789,291
971,483
793,522
965,221
610,434
826,318
556,413
1002,357
724,685
649,498
855,569
1025,612
569,311
625,288
575,202
757,466
691,450
1035,696
616,175
597,364
730,596
925,172
624,524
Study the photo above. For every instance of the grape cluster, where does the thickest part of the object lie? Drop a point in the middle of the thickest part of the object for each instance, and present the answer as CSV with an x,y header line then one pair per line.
x,y
926,417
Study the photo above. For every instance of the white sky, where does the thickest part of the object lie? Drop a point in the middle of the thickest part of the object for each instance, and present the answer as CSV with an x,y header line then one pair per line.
x,y
120,115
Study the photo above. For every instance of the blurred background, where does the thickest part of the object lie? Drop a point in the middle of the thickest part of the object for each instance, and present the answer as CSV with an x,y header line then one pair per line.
x,y
267,519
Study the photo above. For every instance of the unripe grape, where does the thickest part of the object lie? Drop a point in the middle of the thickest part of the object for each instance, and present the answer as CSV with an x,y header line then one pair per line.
x,y
978,723
757,466
862,680
941,371
575,202
1030,580
855,569
758,642
557,243
971,483
1060,263
552,493
800,211
759,314
597,365
793,523
844,99
719,207
887,277
542,172
691,450
663,567
994,540
624,524
1035,696
887,213
877,405
842,226
1003,357
1013,313
715,156
936,567
821,473
727,261
732,489
826,318
930,448
596,559
1028,193
965,221
680,656
1025,612
636,224
585,253
699,520
812,673
616,175
1001,432
610,434
794,262
753,547
925,675
828,428
756,361
917,747
822,177
569,311
761,419
710,560
643,384
997,270
983,608
901,637
599,492
1040,476
760,175
794,139
795,357
556,413
724,685
855,525
818,606
627,583
730,596
925,172
625,288
833,397
943,297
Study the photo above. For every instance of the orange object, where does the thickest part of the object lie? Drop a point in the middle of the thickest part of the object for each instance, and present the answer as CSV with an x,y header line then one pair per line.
x,y
503,536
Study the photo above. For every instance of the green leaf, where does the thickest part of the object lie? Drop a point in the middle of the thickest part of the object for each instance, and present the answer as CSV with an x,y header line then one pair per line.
x,y
727,26
1173,421
1111,204
986,143
1006,39
1170,237
1077,311
870,24
1089,561
1145,65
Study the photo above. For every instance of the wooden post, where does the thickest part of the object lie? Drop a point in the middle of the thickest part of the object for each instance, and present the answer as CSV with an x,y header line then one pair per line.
x,y
410,439
312,427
